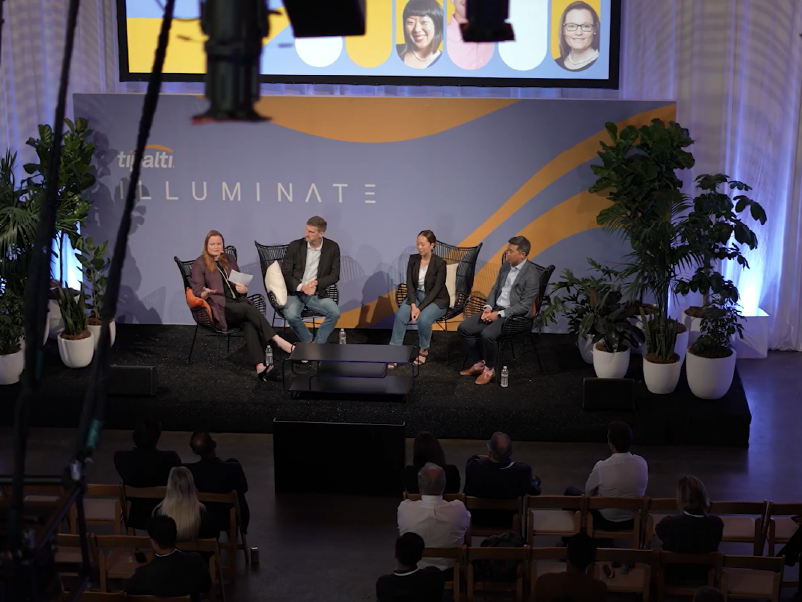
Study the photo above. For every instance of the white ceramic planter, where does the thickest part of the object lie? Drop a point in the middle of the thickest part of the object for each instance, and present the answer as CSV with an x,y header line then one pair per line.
x,y
11,367
76,354
585,345
54,319
681,346
709,378
693,327
95,330
610,365
661,379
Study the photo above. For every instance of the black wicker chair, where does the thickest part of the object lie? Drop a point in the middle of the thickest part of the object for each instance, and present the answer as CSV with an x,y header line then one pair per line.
x,y
202,318
466,270
267,255
517,325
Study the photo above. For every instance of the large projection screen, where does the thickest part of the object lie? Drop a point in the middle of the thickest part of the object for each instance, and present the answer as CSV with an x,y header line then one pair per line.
x,y
558,43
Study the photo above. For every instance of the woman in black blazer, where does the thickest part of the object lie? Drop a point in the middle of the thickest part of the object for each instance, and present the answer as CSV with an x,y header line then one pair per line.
x,y
427,296
428,449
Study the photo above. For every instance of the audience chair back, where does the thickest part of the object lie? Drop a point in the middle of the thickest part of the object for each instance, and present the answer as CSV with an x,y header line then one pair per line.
x,y
212,549
116,556
511,508
458,555
131,493
543,561
780,525
103,505
637,580
546,516
657,508
635,504
477,581
155,599
237,539
69,557
714,560
92,596
752,577
743,522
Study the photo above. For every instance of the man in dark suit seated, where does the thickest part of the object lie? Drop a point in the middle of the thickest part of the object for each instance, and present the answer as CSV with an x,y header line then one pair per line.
x,y
171,572
513,294
573,583
310,266
145,466
212,475
408,583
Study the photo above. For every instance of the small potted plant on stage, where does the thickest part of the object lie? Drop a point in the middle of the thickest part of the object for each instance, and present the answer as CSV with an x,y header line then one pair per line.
x,y
75,343
12,359
94,265
710,364
615,334
661,362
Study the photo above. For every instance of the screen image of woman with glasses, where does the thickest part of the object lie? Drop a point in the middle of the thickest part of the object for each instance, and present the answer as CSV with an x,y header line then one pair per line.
x,y
579,37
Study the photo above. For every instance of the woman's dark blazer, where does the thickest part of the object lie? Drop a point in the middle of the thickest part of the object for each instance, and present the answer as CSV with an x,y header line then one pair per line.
x,y
434,285
201,278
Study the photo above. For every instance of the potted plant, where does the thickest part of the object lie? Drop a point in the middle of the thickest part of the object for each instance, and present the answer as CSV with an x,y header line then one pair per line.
x,y
715,221
95,265
614,334
661,362
569,298
75,342
710,365
12,360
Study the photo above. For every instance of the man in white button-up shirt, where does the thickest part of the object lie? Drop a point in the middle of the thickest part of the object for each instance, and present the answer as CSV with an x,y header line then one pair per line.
x,y
441,524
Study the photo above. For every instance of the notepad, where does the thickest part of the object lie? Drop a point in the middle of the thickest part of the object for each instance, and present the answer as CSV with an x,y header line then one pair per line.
x,y
239,278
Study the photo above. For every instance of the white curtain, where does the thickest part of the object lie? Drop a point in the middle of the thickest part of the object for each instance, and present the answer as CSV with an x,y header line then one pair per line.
x,y
733,66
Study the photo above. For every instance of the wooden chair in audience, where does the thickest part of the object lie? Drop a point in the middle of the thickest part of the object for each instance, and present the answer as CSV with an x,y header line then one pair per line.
x,y
779,528
449,497
657,508
156,599
714,560
743,522
116,556
39,500
102,506
456,554
634,504
546,516
130,493
234,528
543,561
637,580
68,553
93,596
481,583
752,577
208,546
477,503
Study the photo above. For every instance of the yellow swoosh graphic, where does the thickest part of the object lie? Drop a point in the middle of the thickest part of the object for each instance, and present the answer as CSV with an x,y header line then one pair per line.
x,y
156,146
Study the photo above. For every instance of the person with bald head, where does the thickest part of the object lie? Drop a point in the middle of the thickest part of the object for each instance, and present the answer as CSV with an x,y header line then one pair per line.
x,y
213,475
495,475
441,524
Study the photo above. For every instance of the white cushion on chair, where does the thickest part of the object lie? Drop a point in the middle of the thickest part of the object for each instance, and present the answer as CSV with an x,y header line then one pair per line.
x,y
274,283
552,521
451,283
784,528
750,583
738,528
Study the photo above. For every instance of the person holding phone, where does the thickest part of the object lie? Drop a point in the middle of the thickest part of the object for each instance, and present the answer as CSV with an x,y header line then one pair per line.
x,y
229,303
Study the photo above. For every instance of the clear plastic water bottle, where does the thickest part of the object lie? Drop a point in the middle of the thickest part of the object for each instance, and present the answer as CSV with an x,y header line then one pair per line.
x,y
505,377
269,356
342,336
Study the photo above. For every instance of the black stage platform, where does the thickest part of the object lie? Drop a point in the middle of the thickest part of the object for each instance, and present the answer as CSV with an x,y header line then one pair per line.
x,y
226,396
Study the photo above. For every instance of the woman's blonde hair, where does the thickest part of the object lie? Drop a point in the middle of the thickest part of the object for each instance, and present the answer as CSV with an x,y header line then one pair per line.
x,y
181,504
692,496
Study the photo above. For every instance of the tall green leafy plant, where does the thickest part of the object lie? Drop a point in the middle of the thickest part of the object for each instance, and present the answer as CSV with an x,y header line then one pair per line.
x,y
609,321
19,218
76,176
94,265
661,337
12,325
73,311
721,321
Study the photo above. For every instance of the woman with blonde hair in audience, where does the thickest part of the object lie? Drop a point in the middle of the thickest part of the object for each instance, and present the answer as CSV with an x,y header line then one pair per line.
x,y
182,505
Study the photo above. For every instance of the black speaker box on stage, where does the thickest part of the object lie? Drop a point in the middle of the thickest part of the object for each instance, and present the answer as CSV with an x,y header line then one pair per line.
x,y
339,458
134,381
322,18
608,394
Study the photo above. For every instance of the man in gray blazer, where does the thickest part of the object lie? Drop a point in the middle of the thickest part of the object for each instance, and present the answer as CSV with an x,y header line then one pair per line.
x,y
513,294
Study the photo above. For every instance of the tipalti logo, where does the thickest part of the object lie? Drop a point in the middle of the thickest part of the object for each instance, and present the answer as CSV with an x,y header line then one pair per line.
x,y
156,156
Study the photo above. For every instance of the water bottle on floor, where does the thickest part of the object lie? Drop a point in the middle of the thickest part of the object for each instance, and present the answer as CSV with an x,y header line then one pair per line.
x,y
342,336
505,377
269,356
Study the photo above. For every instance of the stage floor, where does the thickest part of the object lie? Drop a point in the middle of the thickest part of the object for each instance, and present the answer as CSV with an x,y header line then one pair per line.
x,y
225,396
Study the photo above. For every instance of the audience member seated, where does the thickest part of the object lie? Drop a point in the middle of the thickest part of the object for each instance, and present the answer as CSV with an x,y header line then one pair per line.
x,y
441,524
708,594
793,548
212,475
428,449
171,572
573,583
496,475
623,474
692,532
145,466
409,582
182,505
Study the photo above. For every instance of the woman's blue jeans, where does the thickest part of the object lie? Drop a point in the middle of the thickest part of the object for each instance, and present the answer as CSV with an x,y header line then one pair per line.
x,y
428,316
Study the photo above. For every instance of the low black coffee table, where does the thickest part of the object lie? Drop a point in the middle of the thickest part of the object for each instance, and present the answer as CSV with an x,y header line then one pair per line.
x,y
352,369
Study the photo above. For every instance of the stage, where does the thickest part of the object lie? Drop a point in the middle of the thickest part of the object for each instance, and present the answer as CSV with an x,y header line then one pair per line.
x,y
225,396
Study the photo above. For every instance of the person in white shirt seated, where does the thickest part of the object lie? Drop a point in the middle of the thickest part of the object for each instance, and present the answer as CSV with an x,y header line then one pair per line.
x,y
623,474
441,524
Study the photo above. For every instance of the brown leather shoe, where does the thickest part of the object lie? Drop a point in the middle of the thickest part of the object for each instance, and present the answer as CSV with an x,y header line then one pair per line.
x,y
486,377
471,371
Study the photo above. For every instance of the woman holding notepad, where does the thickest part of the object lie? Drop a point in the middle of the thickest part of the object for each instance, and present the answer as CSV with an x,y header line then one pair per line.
x,y
229,304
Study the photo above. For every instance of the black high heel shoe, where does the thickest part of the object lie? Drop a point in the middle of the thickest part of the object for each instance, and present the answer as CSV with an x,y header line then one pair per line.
x,y
264,375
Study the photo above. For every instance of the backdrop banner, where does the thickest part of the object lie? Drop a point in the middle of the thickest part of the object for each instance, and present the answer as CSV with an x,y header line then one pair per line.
x,y
379,170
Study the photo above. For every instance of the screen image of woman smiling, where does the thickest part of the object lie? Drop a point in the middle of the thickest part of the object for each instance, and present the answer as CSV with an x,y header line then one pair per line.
x,y
579,37
423,33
